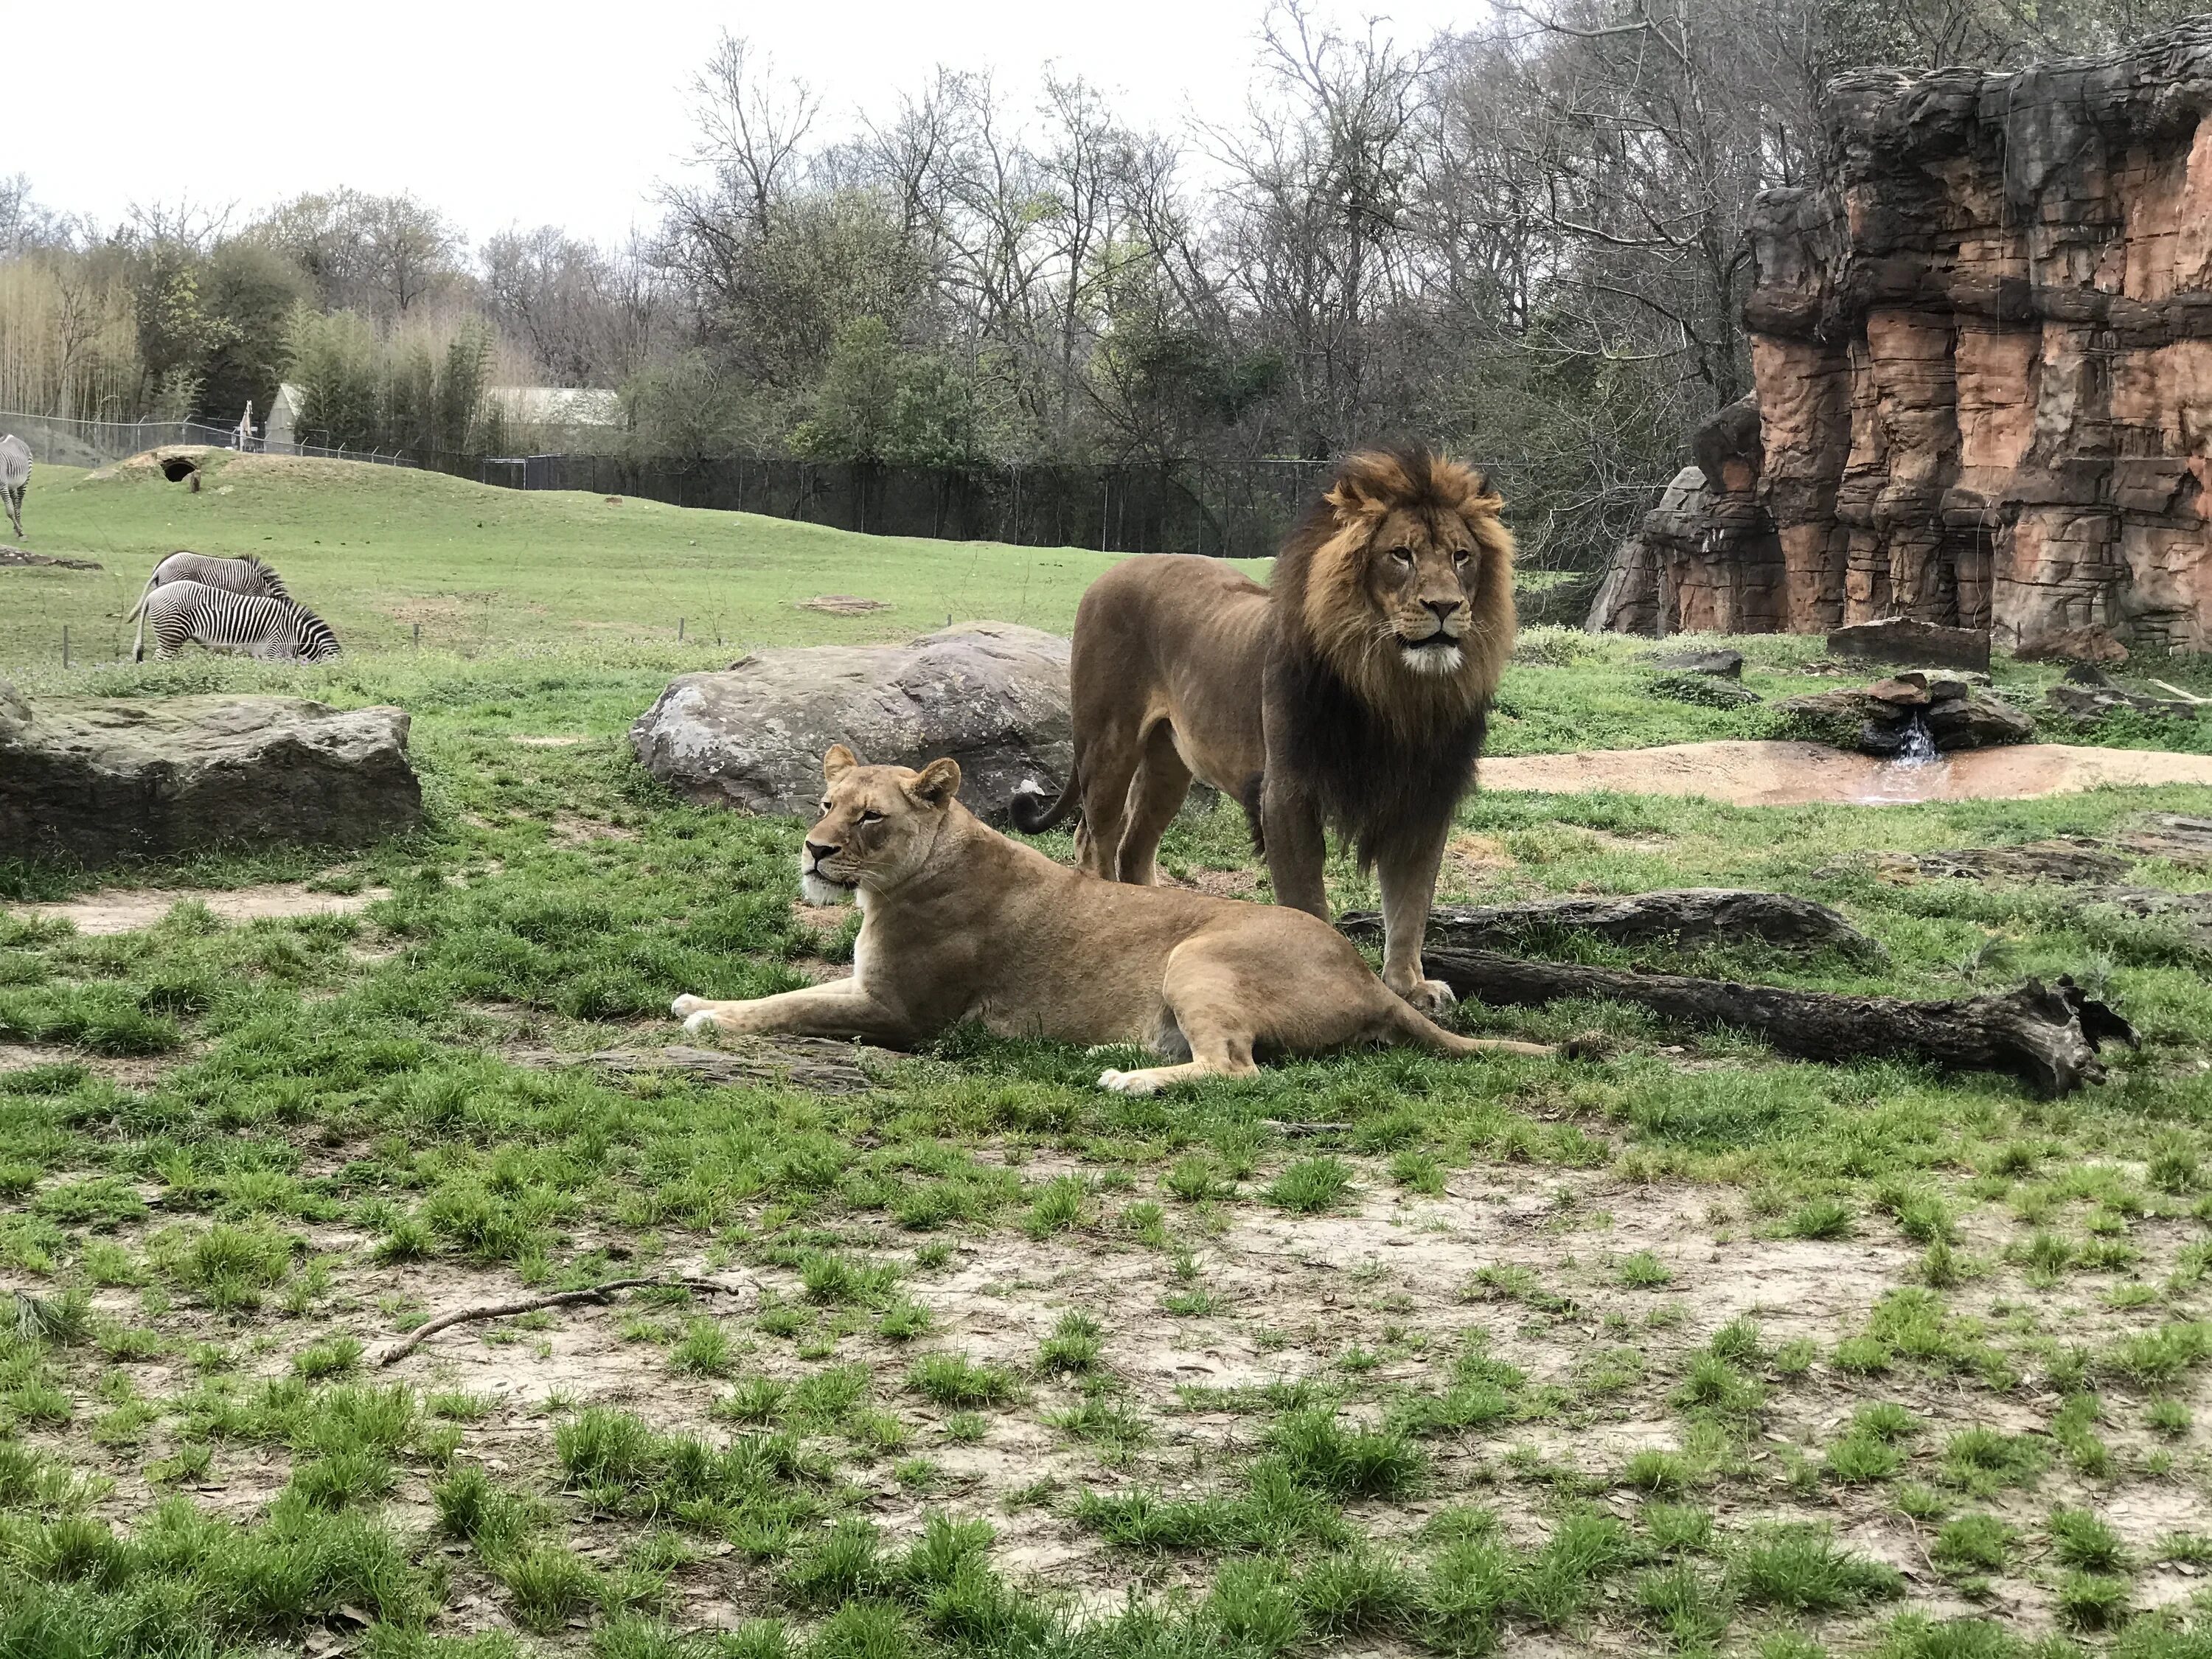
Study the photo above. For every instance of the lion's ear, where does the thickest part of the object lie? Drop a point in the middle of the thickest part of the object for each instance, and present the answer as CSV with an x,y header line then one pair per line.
x,y
936,783
1367,485
839,761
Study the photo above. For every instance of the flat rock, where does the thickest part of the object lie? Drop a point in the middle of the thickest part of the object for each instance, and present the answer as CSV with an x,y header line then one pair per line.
x,y
2063,859
2093,703
2093,646
992,696
1907,640
93,780
2171,835
1725,664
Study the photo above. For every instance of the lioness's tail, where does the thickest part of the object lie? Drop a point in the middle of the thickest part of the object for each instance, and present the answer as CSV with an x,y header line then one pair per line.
x,y
1419,1030
1029,812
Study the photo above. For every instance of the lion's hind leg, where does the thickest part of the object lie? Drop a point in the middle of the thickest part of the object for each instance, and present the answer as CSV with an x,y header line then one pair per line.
x,y
1155,795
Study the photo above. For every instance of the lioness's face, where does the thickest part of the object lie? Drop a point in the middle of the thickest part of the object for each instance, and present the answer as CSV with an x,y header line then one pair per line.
x,y
1422,571
877,826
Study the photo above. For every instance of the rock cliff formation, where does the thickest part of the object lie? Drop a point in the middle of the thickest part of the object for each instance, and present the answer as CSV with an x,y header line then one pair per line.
x,y
1983,349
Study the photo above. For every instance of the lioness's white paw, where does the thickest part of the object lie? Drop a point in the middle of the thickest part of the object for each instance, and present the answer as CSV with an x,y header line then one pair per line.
x,y
1127,1083
684,1005
702,1021
1432,996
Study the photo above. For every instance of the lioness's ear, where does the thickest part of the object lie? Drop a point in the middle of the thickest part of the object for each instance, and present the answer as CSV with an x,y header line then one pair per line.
x,y
839,761
937,783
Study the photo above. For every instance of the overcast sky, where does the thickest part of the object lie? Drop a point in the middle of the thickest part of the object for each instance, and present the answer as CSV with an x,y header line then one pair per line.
x,y
530,114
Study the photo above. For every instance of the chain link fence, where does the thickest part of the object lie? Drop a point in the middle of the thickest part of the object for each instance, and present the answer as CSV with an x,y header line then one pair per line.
x,y
56,441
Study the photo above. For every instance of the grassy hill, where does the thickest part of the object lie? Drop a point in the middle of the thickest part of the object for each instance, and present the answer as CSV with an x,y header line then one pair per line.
x,y
376,550
556,610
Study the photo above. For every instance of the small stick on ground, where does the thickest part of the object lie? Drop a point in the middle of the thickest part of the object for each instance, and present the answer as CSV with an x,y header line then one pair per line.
x,y
422,1333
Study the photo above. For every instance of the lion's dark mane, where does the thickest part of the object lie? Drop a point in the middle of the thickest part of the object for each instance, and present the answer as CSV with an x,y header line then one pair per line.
x,y
1369,784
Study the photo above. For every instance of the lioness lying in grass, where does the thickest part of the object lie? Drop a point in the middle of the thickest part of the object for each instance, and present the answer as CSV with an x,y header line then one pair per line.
x,y
960,923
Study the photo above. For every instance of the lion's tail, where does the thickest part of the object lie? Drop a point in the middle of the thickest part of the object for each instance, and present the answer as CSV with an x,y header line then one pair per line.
x,y
1028,810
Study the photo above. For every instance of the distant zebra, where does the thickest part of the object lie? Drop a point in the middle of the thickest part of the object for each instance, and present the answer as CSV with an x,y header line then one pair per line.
x,y
181,613
14,478
245,575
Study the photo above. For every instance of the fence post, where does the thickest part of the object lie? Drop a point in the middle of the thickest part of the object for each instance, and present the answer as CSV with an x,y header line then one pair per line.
x,y
65,645
679,630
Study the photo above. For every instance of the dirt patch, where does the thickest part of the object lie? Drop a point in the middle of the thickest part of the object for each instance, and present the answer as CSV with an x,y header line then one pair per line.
x,y
1803,774
548,742
23,556
1217,883
137,1073
126,910
843,604
571,831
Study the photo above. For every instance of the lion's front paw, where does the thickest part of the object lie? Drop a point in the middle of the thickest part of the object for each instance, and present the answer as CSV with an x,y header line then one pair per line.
x,y
700,1021
1432,996
686,1006
1128,1083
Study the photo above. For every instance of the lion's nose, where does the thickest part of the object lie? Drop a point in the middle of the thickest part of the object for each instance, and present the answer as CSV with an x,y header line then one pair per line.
x,y
1443,608
818,852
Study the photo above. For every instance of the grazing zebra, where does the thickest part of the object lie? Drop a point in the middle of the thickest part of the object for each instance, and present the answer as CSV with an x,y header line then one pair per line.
x,y
14,478
245,575
182,612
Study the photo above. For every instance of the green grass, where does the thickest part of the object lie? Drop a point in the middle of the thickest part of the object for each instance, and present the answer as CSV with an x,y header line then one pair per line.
x,y
240,1160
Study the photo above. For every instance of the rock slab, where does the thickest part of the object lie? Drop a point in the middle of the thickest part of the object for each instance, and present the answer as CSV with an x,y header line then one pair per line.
x,y
1907,639
91,780
992,696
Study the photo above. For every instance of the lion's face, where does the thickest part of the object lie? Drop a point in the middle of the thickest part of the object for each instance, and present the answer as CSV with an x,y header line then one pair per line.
x,y
878,825
1406,587
1420,578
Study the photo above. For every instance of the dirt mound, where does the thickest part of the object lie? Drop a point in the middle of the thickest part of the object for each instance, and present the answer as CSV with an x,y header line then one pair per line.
x,y
1802,774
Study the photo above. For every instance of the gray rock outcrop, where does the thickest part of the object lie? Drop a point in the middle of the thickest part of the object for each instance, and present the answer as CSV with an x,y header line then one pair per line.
x,y
92,779
992,696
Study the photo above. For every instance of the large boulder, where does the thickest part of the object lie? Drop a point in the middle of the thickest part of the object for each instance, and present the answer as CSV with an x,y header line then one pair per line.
x,y
92,779
994,695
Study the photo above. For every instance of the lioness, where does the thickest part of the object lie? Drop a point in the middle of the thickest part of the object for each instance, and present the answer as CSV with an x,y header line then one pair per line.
x,y
1351,695
957,922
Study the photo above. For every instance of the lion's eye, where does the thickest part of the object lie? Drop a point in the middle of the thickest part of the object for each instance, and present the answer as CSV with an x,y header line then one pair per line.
x,y
1403,554
1459,555
871,817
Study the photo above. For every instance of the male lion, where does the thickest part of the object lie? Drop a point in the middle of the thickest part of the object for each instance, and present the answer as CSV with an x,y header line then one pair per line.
x,y
1350,695
957,922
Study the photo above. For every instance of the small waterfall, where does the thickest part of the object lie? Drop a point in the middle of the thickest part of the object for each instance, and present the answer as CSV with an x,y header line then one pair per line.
x,y
1916,772
1918,748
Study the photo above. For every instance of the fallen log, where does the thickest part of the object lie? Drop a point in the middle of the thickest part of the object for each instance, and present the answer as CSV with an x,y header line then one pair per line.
x,y
2047,1036
1688,915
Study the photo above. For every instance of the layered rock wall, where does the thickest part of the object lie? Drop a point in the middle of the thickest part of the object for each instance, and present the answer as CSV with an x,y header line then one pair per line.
x,y
1983,349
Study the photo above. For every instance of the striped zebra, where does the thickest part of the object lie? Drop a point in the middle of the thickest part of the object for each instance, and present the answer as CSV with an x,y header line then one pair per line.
x,y
242,575
14,478
181,613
